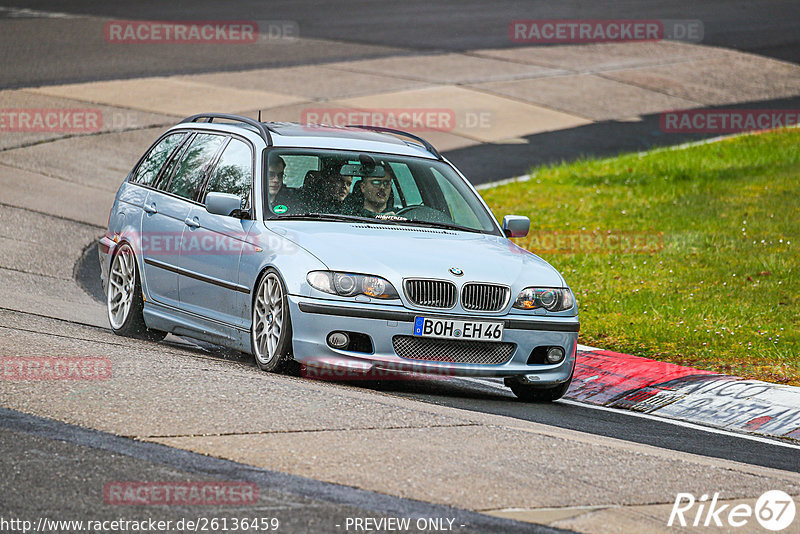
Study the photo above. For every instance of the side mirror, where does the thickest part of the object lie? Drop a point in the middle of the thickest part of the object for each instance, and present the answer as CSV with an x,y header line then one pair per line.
x,y
516,225
222,203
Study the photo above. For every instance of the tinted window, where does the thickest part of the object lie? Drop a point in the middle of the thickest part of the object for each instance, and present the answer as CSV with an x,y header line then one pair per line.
x,y
297,168
460,210
188,176
159,154
169,169
234,172
423,191
407,184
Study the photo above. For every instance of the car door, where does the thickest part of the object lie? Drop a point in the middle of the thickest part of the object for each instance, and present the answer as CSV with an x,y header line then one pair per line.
x,y
166,212
159,284
209,281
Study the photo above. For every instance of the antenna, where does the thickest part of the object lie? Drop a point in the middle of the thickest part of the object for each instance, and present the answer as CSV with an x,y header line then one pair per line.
x,y
259,115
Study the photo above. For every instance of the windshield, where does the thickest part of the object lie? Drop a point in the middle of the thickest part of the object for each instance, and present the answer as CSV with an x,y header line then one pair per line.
x,y
379,188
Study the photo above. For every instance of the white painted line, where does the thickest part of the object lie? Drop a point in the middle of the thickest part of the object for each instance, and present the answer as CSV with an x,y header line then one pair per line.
x,y
487,381
521,178
21,12
497,383
686,424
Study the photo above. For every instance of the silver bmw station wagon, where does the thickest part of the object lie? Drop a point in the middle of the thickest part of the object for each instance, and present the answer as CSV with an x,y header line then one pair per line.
x,y
356,248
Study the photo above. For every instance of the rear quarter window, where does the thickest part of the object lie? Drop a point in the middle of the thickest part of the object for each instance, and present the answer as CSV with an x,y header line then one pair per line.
x,y
188,177
150,166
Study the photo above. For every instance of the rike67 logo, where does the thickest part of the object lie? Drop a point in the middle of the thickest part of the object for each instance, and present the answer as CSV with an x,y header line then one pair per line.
x,y
774,510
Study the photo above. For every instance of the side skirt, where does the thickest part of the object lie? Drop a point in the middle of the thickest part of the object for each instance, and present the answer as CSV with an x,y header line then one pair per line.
x,y
182,323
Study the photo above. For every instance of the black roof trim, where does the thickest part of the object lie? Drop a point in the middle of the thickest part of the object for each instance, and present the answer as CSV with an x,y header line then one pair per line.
x,y
209,117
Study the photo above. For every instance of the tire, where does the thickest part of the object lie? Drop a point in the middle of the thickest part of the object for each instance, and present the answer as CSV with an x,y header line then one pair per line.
x,y
529,393
124,302
271,328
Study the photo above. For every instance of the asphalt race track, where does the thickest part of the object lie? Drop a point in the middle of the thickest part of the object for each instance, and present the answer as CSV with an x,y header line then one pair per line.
x,y
463,451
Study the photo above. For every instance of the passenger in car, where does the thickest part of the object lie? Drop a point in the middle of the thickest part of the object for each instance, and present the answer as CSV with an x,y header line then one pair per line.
x,y
279,193
372,196
337,187
325,191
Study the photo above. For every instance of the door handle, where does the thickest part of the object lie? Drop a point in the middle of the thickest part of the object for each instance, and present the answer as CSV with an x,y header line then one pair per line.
x,y
192,223
150,208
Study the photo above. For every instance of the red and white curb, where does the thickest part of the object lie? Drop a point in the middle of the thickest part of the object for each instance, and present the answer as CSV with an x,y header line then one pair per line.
x,y
619,380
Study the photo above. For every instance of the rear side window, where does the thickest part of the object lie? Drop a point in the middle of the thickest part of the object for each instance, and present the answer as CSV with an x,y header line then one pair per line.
x,y
297,168
188,177
234,172
148,170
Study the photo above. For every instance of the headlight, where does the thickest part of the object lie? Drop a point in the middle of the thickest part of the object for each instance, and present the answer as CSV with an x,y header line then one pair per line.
x,y
350,284
552,300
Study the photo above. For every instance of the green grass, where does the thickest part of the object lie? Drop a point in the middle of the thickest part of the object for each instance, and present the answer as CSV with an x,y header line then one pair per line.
x,y
721,290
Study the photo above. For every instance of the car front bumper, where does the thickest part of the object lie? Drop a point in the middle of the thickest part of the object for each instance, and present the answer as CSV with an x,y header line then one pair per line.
x,y
313,319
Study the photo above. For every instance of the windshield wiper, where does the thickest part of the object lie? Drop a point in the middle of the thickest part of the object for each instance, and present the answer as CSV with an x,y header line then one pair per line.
x,y
444,225
379,220
332,217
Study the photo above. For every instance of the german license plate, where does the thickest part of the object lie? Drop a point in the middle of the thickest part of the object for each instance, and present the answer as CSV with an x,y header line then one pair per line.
x,y
455,329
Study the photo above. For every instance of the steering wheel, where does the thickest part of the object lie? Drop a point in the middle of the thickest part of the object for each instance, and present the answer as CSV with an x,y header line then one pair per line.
x,y
419,212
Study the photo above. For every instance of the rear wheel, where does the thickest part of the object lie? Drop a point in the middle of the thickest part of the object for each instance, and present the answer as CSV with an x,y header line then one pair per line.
x,y
528,393
271,331
124,299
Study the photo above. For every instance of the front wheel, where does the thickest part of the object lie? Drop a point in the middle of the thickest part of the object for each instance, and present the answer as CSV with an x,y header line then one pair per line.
x,y
528,393
124,299
271,331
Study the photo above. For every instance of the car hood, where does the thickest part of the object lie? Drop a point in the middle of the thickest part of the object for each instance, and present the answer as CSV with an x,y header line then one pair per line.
x,y
397,252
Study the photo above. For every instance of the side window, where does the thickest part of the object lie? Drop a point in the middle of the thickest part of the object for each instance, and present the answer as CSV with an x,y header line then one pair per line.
x,y
188,177
234,172
158,155
162,181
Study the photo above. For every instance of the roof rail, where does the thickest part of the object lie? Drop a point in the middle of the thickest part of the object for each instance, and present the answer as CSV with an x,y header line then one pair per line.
x,y
261,127
425,143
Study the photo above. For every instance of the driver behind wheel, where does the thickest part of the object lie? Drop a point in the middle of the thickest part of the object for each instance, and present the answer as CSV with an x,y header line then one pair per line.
x,y
372,196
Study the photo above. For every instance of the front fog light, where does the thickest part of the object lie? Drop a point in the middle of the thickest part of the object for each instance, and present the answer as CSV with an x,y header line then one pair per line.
x,y
338,340
555,354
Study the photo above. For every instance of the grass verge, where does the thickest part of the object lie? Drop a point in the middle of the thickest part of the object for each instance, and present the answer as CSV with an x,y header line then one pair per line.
x,y
688,256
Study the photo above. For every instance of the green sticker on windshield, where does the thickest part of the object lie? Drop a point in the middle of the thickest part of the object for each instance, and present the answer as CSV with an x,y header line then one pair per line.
x,y
280,208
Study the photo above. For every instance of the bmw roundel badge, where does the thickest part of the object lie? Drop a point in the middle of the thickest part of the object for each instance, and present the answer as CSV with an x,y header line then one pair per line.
x,y
456,271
